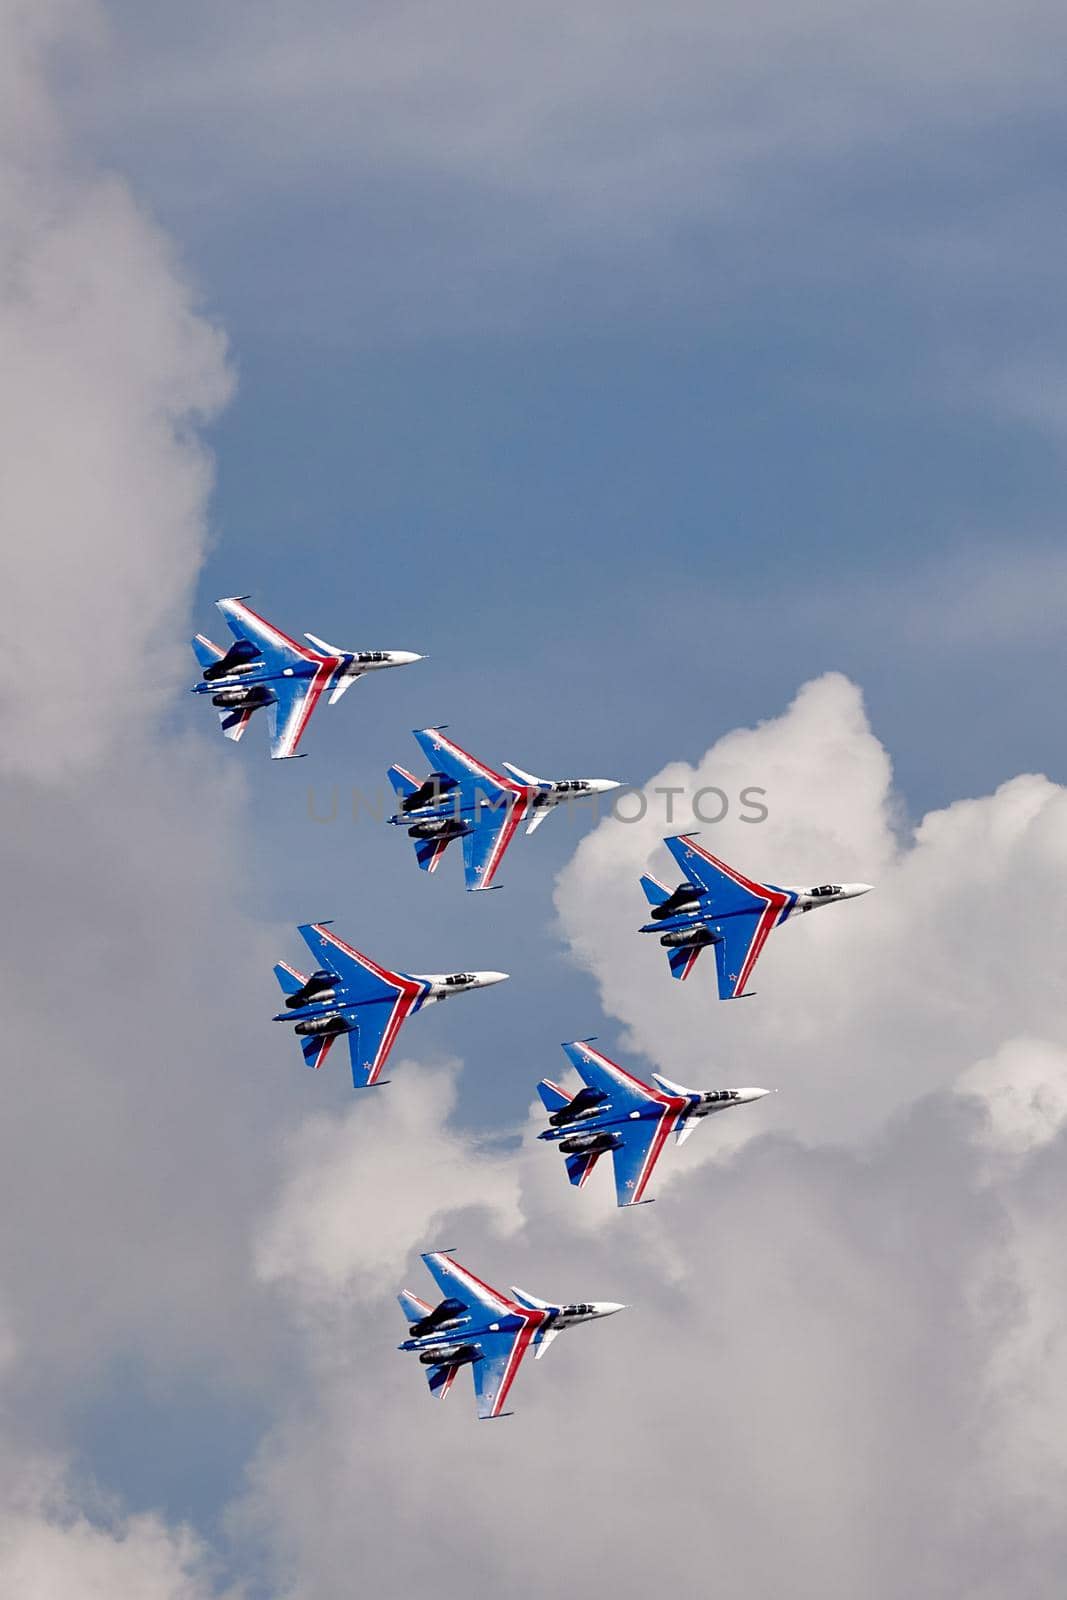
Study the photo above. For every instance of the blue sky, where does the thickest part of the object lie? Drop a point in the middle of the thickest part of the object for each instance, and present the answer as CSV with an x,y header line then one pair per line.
x,y
640,514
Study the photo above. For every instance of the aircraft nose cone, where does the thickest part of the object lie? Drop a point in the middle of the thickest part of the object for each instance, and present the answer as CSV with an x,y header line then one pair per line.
x,y
755,1094
608,1308
854,889
404,658
605,785
487,978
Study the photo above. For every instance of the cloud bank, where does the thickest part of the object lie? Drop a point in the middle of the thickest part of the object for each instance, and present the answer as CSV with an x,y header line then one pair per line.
x,y
842,1371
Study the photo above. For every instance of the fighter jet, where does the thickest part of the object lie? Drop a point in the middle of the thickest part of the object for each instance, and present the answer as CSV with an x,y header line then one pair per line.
x,y
348,993
482,1328
464,799
264,667
617,1112
717,905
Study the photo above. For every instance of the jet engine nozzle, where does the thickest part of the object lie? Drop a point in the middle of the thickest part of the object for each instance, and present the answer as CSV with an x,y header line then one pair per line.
x,y
442,1315
242,699
584,1102
685,894
586,1143
438,828
680,937
334,1024
240,654
321,986
450,1355
429,792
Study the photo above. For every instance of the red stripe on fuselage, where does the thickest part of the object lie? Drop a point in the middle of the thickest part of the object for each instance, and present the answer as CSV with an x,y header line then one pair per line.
x,y
318,685
302,650
690,962
776,901
518,1350
655,1149
504,837
635,1083
324,1050
479,767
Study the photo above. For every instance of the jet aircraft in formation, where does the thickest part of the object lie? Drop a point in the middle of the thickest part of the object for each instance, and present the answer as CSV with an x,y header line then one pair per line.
x,y
265,669
480,1327
717,905
464,799
350,994
616,1111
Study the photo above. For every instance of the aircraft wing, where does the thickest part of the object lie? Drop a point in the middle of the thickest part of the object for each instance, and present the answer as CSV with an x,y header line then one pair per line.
x,y
276,648
487,839
728,889
642,1146
494,1374
362,979
625,1092
382,1000
290,711
475,777
741,939
456,1281
371,1040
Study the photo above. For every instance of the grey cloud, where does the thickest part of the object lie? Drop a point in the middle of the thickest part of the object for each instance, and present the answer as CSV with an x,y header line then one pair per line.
x,y
452,167
801,1398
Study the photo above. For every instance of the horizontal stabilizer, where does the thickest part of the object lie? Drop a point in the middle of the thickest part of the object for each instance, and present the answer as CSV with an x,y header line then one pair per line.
x,y
315,1047
428,852
404,783
441,1379
206,653
233,723
656,893
290,980
553,1098
683,959
342,686
413,1308
581,1165
544,1342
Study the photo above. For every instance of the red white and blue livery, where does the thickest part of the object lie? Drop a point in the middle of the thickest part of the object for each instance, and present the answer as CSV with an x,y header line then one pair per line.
x,y
717,905
266,670
614,1112
348,995
482,1328
464,799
